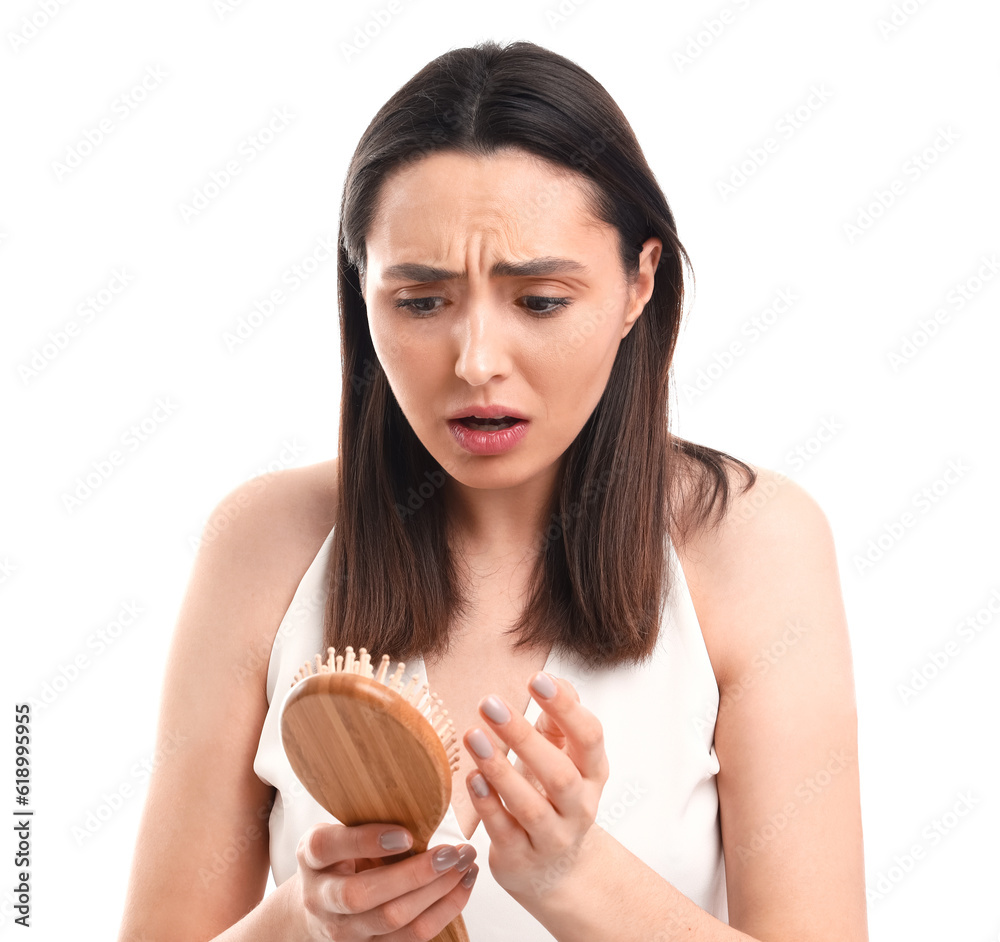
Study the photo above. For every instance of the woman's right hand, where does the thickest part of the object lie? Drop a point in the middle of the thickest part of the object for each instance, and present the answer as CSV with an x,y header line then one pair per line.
x,y
408,900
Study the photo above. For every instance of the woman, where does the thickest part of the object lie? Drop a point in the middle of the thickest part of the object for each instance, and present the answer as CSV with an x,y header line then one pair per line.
x,y
652,627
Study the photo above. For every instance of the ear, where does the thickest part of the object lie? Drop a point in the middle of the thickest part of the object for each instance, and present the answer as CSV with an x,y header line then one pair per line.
x,y
641,290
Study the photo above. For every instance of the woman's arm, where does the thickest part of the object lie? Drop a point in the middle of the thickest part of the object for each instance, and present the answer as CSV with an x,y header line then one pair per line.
x,y
787,731
766,590
201,858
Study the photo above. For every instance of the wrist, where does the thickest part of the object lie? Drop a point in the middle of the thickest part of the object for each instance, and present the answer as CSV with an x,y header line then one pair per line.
x,y
289,912
569,881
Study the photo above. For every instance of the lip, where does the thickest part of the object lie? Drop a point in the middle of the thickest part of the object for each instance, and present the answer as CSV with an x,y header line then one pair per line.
x,y
487,412
488,443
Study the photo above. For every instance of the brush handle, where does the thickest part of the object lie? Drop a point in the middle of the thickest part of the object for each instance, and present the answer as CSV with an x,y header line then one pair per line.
x,y
455,931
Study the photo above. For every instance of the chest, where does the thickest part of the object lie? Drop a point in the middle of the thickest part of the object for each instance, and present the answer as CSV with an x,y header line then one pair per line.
x,y
480,662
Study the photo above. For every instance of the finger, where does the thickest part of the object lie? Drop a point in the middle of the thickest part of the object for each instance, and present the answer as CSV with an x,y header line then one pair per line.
x,y
529,776
435,917
502,826
326,844
563,714
546,723
391,896
561,772
514,805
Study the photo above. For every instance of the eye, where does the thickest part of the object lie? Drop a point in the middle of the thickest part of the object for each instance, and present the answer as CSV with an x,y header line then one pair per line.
x,y
555,304
536,305
413,305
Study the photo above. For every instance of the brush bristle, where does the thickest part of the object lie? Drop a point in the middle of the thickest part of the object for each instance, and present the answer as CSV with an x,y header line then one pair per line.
x,y
418,695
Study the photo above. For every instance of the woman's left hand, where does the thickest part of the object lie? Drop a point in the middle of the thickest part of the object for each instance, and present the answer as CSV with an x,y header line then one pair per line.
x,y
539,811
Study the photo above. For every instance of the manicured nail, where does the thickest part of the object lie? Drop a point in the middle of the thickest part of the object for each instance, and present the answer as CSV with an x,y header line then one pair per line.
x,y
480,743
479,785
395,840
543,685
444,858
465,858
495,710
470,877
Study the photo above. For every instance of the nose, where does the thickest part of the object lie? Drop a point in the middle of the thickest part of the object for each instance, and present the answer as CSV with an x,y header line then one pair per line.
x,y
484,346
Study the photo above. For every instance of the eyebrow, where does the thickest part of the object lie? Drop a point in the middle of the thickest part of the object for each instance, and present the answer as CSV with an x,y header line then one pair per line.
x,y
548,265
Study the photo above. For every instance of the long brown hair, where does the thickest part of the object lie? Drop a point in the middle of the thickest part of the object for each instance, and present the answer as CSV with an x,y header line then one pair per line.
x,y
600,578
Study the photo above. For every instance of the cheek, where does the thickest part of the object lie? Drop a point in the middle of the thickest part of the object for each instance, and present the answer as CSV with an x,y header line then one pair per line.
x,y
570,372
390,344
589,343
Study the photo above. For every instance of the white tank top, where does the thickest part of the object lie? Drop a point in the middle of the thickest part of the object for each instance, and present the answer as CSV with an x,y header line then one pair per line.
x,y
660,800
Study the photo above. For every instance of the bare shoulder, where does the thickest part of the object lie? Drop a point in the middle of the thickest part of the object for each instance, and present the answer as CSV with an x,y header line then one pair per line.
x,y
774,534
766,590
265,532
255,548
294,508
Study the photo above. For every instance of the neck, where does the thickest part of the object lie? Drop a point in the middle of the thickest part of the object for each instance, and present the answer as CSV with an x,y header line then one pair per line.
x,y
497,523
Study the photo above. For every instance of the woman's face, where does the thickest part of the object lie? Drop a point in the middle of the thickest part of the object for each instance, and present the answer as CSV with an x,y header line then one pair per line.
x,y
525,307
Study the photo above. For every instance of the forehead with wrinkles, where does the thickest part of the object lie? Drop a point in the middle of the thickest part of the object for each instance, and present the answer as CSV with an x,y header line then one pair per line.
x,y
453,207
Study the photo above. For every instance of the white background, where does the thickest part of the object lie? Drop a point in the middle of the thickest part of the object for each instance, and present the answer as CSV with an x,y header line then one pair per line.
x,y
892,429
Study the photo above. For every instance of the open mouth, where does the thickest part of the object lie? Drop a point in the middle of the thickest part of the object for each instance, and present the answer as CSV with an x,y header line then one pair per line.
x,y
489,425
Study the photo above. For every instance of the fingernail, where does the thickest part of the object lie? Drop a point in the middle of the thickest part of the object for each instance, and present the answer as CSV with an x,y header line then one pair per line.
x,y
470,877
495,710
444,858
394,840
543,685
480,743
479,785
465,857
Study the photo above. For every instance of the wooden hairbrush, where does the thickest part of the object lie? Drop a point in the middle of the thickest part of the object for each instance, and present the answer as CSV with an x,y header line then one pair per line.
x,y
369,751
